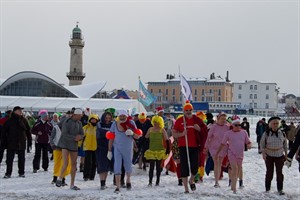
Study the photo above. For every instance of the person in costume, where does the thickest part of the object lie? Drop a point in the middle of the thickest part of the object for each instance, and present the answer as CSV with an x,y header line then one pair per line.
x,y
202,153
142,144
213,142
274,150
191,127
72,133
156,152
90,147
236,140
57,153
124,130
176,157
104,165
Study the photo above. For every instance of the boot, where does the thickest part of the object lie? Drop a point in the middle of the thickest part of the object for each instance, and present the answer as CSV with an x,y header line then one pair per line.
x,y
63,182
268,186
81,167
279,186
54,180
241,184
180,182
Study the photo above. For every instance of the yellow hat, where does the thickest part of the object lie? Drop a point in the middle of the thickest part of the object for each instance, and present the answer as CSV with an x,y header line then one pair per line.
x,y
142,116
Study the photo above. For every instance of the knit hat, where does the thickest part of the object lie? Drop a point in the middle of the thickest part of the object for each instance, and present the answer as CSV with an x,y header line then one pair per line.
x,y
187,106
273,118
77,111
142,116
235,121
122,112
43,113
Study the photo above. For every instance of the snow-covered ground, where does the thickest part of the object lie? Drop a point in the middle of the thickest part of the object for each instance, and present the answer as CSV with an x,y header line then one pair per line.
x,y
38,186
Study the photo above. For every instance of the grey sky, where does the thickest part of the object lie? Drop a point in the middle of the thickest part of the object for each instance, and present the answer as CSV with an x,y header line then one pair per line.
x,y
254,40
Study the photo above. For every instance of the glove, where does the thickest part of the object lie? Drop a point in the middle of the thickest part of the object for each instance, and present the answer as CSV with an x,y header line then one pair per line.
x,y
109,155
288,162
129,132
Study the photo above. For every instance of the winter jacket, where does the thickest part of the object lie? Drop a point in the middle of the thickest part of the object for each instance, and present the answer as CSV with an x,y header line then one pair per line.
x,y
102,128
89,138
295,146
45,127
15,132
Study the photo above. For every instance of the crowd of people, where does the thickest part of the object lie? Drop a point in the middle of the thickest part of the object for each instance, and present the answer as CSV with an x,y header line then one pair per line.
x,y
115,141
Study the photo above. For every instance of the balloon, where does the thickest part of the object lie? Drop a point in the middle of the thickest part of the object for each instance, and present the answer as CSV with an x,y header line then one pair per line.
x,y
110,135
138,132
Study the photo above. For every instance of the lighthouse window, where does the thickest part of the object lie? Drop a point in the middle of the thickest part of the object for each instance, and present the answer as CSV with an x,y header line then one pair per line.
x,y
75,70
75,51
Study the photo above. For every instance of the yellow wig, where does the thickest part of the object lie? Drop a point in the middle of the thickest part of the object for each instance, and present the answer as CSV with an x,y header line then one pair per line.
x,y
159,120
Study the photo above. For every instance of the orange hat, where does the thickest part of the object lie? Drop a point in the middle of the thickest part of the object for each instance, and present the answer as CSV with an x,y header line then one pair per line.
x,y
201,115
142,116
187,106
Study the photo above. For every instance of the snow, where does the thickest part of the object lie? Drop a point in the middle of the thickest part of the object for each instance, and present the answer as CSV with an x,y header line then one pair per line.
x,y
38,186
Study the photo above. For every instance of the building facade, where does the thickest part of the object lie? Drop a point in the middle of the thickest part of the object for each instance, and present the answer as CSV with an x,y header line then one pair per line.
x,y
261,98
168,91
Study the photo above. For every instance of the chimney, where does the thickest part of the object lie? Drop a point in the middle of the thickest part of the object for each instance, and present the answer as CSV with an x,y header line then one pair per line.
x,y
227,76
168,76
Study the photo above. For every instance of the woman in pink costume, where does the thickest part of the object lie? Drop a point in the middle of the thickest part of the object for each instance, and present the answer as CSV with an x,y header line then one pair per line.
x,y
213,142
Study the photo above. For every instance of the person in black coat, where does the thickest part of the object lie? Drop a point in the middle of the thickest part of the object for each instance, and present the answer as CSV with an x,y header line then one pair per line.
x,y
246,126
15,133
293,151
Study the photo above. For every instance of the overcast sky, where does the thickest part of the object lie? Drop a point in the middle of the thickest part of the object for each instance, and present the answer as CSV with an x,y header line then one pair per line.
x,y
253,39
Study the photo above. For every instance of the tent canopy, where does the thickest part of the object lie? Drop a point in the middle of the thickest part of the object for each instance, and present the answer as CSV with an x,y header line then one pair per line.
x,y
34,104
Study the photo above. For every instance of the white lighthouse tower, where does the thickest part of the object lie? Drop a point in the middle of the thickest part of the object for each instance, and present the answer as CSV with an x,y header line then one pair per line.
x,y
76,44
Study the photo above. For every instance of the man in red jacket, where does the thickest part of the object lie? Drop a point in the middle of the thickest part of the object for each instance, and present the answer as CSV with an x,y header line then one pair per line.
x,y
42,129
191,127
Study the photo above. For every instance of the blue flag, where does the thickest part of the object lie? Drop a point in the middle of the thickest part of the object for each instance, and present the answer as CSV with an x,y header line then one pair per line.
x,y
144,96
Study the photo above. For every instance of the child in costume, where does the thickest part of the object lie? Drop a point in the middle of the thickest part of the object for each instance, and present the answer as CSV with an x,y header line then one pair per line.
x,y
156,152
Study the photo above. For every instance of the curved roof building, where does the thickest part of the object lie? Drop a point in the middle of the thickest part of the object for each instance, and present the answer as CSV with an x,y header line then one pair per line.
x,y
29,83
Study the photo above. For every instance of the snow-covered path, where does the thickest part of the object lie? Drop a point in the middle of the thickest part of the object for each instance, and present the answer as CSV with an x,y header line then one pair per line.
x,y
38,186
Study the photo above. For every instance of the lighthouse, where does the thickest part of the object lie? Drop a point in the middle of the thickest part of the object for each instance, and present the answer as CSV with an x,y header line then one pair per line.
x,y
76,75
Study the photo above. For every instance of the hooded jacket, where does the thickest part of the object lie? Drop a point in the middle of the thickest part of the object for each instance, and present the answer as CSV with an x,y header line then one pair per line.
x,y
89,139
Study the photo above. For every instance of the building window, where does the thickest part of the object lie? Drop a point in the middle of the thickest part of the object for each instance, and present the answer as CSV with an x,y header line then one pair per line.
x,y
173,92
219,98
267,106
267,87
166,98
159,91
173,99
195,98
159,98
240,87
267,96
250,105
195,91
255,96
251,96
167,91
255,105
240,96
203,92
210,91
255,87
203,99
251,87
219,93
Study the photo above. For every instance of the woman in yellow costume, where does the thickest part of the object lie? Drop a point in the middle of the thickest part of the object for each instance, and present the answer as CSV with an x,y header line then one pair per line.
x,y
156,152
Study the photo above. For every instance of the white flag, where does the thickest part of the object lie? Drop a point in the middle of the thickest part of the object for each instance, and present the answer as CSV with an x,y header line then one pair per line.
x,y
185,89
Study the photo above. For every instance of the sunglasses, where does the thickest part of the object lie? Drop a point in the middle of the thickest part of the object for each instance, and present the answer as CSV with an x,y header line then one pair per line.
x,y
237,125
188,110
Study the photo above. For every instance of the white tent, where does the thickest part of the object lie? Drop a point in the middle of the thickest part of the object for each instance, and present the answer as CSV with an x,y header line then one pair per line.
x,y
34,104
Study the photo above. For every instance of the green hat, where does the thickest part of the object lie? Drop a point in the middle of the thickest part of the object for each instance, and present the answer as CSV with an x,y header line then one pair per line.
x,y
110,110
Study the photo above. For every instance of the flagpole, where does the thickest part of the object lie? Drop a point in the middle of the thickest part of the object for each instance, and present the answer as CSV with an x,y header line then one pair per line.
x,y
184,125
139,107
